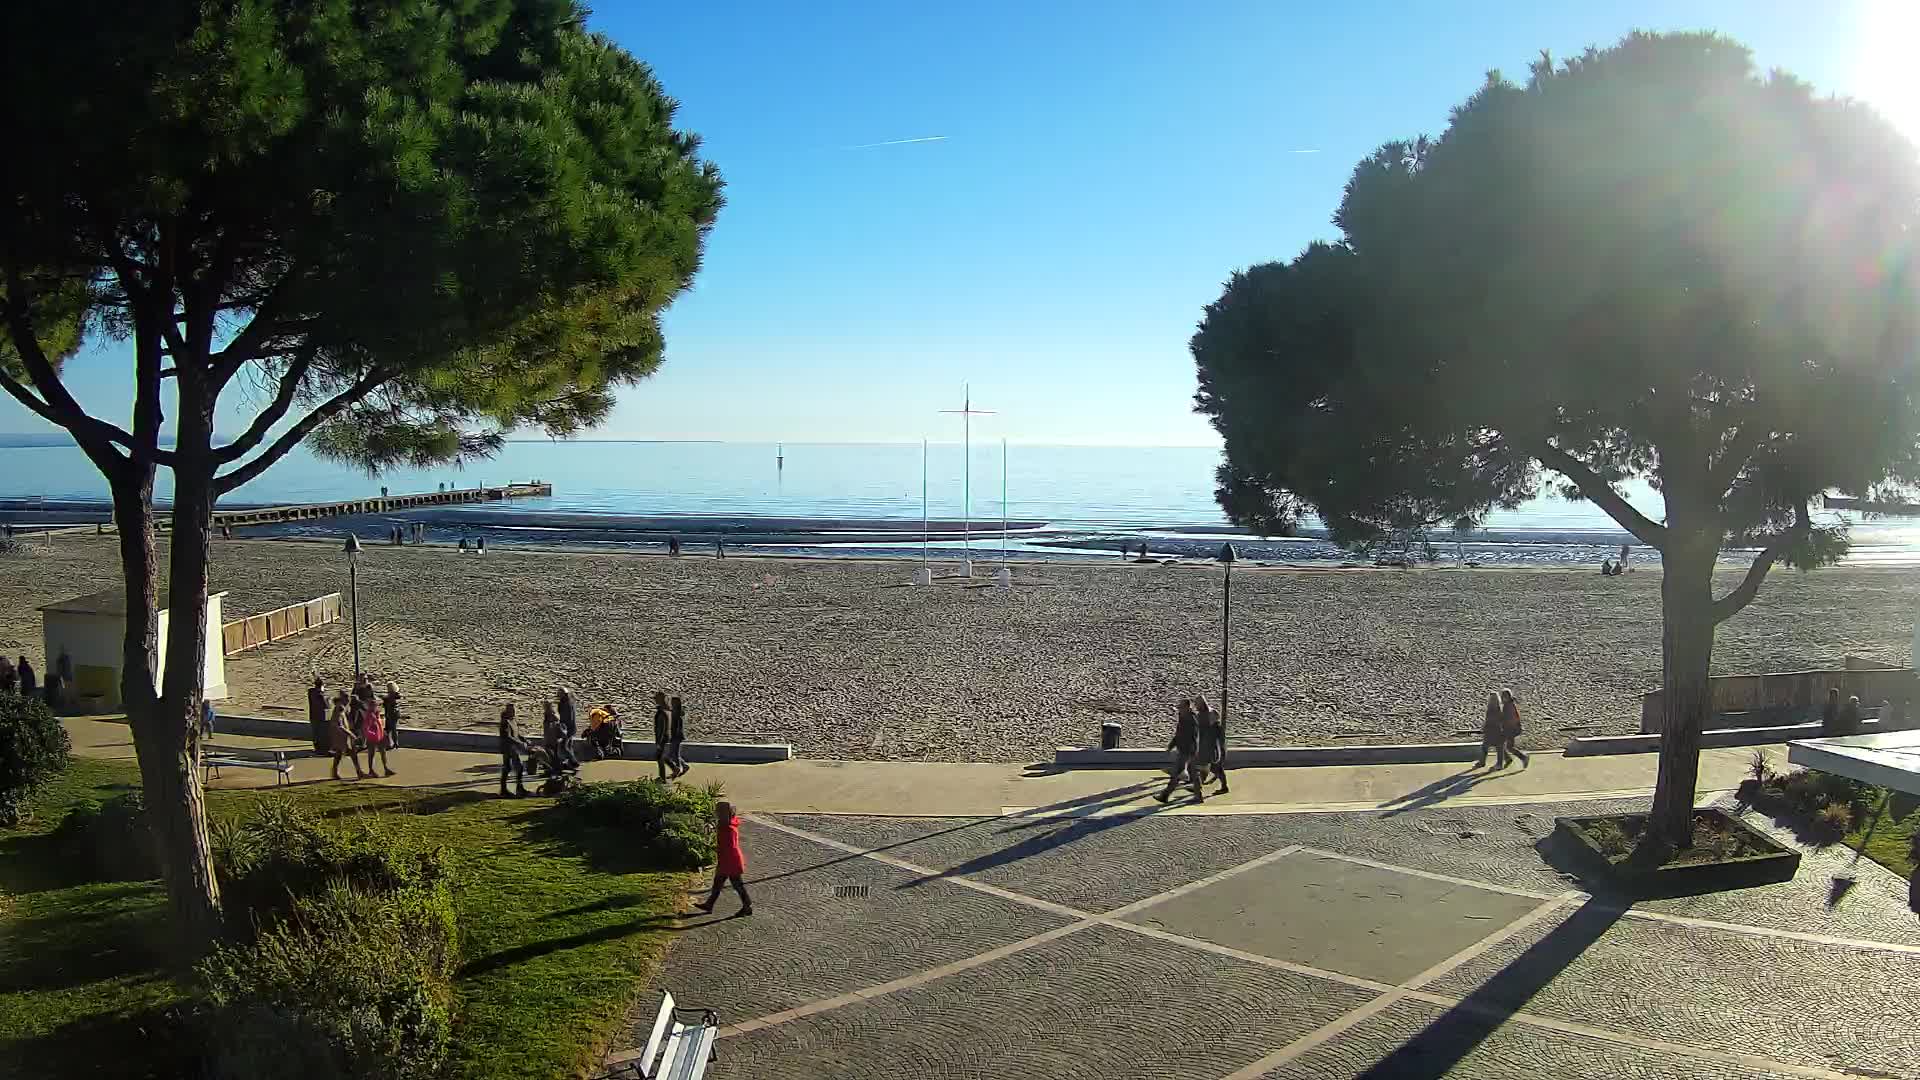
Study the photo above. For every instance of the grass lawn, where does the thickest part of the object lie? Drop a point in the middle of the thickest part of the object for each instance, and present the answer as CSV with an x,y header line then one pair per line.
x,y
555,946
1886,835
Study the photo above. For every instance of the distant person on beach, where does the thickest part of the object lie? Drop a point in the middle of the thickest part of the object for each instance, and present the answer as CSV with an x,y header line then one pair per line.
x,y
1492,732
463,545
677,735
1510,728
1850,715
1185,741
9,678
1621,566
1830,713
340,734
390,713
1212,728
28,684
317,715
511,747
206,717
662,728
673,545
730,863
719,549
1606,568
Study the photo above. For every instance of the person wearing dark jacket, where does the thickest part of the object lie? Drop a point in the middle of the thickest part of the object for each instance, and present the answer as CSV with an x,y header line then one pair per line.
x,y
317,715
1493,733
569,723
1213,728
1510,728
662,730
1184,744
28,684
511,747
676,735
390,713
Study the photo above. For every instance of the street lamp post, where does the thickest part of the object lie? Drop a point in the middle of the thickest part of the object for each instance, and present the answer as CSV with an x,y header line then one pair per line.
x,y
1226,557
353,593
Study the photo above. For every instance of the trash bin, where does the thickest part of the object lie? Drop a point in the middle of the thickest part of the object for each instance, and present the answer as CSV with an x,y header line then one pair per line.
x,y
1109,735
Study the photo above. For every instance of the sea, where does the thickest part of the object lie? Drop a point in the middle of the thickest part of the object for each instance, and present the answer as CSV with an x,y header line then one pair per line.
x,y
860,500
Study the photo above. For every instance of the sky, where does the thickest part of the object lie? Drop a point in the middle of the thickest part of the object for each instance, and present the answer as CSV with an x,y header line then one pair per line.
x,y
1039,199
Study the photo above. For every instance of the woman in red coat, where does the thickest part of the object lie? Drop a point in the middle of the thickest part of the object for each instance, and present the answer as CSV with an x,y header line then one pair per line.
x,y
731,863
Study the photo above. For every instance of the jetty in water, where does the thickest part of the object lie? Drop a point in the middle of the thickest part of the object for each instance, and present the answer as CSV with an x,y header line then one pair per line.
x,y
275,515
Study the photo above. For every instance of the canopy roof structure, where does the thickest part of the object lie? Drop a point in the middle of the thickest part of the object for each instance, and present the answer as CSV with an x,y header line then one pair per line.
x,y
1888,759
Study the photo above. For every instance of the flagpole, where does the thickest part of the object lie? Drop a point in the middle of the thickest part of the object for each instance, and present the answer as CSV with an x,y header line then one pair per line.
x,y
1003,500
966,475
925,522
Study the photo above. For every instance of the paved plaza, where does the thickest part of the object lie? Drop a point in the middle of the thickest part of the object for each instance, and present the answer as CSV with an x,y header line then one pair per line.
x,y
1107,940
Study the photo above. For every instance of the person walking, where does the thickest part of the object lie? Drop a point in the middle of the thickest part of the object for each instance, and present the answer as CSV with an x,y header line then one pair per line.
x,y
28,684
1206,745
553,738
1510,729
569,724
206,717
676,737
9,678
373,734
1183,745
390,712
1830,714
340,734
1212,727
662,729
317,715
511,748
730,863
1493,732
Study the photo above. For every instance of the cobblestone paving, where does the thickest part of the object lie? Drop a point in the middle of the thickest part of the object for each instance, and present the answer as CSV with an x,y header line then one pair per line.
x,y
1097,1004
1098,1000
1087,862
1794,1001
1412,1039
803,943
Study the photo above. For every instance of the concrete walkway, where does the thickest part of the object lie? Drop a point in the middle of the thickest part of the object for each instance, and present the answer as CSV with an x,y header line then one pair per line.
x,y
967,789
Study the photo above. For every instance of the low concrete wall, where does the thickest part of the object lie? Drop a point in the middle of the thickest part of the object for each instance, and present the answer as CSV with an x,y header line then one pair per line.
x,y
1716,739
1802,692
486,742
1241,757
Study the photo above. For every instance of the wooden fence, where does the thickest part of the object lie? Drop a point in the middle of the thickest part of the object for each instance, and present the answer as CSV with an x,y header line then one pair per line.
x,y
256,630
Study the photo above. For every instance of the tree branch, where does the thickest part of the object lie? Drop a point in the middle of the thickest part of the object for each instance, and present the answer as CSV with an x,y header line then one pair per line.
x,y
246,345
277,408
1741,446
1729,605
291,437
1600,493
54,403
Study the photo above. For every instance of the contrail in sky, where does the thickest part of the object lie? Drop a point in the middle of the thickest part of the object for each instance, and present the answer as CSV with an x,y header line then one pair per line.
x,y
898,142
1313,151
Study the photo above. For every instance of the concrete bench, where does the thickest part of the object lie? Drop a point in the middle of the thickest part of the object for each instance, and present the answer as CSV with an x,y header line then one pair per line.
x,y
214,758
676,1050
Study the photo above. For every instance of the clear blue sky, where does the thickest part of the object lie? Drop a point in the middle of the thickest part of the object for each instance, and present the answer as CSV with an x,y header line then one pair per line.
x,y
1103,168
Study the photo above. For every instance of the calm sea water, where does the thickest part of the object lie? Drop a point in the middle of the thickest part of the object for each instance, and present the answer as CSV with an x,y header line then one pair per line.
x,y
1089,499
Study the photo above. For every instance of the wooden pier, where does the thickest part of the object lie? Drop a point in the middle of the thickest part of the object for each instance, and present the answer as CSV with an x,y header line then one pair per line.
x,y
274,515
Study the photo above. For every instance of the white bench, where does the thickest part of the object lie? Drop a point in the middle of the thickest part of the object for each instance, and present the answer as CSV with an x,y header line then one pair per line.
x,y
677,1050
214,758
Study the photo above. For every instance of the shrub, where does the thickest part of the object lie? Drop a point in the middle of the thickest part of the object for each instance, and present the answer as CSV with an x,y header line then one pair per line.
x,y
1835,818
666,826
33,750
284,851
1802,789
351,983
112,839
1760,768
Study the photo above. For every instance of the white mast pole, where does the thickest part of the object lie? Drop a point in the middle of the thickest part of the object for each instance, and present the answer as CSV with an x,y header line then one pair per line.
x,y
1003,500
926,525
966,475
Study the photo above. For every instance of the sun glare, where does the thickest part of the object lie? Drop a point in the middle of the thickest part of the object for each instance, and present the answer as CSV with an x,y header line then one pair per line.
x,y
1885,64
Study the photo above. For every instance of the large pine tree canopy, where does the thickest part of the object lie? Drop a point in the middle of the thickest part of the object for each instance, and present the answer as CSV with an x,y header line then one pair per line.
x,y
1647,261
406,227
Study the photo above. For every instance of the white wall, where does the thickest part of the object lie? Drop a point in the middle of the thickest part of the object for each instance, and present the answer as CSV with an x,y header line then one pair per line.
x,y
95,641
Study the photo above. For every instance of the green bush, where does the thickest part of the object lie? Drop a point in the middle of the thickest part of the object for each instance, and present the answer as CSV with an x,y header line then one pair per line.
x,y
665,826
33,750
284,851
112,840
351,983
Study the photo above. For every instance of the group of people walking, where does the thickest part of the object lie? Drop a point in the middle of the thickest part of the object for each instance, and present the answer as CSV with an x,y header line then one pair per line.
x,y
1500,732
353,722
20,678
554,754
1199,748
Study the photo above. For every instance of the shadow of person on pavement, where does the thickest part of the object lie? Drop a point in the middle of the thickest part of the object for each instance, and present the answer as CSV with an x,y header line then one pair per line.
x,y
1437,792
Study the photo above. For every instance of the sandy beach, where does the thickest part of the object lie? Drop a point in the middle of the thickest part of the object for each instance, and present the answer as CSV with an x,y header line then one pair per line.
x,y
843,659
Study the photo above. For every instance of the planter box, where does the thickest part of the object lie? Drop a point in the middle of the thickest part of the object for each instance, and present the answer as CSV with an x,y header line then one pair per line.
x,y
1774,863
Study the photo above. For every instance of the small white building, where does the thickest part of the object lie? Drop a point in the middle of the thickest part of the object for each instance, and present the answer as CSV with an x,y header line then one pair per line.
x,y
89,631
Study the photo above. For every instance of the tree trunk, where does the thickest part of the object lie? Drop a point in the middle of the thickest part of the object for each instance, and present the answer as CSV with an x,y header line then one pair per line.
x,y
181,832
1686,653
